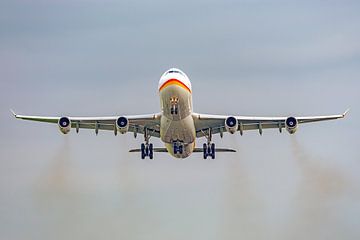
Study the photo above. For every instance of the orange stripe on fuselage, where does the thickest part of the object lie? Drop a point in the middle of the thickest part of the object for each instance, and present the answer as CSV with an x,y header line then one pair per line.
x,y
174,81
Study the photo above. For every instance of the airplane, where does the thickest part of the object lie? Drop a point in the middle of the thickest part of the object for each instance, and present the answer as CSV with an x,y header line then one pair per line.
x,y
177,125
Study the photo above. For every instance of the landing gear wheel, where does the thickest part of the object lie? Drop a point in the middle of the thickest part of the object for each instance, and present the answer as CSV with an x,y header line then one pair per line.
x,y
205,151
213,150
143,154
174,110
151,153
176,149
181,149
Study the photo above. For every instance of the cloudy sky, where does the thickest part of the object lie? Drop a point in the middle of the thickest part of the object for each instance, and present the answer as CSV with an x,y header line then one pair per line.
x,y
243,57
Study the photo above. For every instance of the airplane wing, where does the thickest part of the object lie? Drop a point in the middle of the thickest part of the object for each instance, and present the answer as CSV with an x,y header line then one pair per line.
x,y
217,123
137,123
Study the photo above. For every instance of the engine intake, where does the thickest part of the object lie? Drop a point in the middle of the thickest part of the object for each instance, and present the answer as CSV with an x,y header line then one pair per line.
x,y
122,124
64,124
291,125
231,124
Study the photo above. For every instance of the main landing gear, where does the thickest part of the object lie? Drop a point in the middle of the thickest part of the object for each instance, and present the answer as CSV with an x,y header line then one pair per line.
x,y
147,151
147,148
208,148
178,148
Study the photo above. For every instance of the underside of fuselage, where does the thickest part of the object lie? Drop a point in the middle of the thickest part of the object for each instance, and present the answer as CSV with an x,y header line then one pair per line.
x,y
177,129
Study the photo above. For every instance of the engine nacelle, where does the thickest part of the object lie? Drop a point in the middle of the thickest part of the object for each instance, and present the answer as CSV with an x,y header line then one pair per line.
x,y
291,125
122,125
64,124
231,124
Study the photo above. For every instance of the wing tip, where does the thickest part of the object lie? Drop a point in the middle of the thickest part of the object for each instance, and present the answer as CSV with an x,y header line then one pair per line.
x,y
346,112
225,150
13,112
134,150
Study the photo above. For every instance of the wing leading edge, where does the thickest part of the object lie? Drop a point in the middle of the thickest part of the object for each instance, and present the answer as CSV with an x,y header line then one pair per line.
x,y
216,123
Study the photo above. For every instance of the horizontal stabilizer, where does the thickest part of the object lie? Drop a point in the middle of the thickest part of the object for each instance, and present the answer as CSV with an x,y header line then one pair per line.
x,y
196,150
216,150
163,150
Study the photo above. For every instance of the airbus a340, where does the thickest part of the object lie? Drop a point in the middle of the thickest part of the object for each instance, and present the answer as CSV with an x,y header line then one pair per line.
x,y
177,125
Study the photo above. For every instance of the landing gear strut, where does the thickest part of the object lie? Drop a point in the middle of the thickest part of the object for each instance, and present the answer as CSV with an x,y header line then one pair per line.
x,y
147,148
209,148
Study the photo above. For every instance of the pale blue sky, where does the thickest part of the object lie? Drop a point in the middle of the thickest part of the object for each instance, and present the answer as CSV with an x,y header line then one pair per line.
x,y
243,57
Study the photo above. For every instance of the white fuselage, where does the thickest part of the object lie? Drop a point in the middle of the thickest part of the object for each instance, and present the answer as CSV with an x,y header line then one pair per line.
x,y
177,123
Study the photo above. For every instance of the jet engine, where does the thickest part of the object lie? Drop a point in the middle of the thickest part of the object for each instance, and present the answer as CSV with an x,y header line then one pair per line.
x,y
64,124
231,124
122,125
291,125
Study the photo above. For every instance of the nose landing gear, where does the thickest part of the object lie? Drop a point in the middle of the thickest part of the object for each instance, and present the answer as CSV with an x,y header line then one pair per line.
x,y
174,105
174,110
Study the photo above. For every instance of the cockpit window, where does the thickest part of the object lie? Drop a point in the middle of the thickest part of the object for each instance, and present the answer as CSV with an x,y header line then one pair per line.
x,y
174,71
